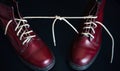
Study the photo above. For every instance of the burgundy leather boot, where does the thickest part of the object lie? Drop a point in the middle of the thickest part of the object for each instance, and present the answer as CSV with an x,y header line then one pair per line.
x,y
29,47
87,44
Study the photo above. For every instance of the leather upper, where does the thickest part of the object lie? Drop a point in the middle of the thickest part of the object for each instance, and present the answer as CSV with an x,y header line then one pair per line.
x,y
34,52
84,50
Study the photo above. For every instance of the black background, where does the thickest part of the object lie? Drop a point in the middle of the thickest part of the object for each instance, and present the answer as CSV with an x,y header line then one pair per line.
x,y
64,34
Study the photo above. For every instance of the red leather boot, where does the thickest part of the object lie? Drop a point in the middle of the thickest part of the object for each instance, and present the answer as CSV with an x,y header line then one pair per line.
x,y
87,45
29,47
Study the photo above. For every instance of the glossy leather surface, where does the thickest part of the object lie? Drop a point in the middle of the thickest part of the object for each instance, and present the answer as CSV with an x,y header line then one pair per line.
x,y
84,50
34,52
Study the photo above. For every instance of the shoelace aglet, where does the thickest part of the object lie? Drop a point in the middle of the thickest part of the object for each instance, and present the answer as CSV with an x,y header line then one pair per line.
x,y
112,54
54,43
7,26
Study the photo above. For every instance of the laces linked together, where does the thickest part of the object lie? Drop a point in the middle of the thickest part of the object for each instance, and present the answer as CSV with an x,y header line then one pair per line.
x,y
61,19
87,34
19,28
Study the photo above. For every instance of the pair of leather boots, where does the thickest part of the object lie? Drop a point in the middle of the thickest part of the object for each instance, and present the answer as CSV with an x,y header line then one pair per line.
x,y
35,53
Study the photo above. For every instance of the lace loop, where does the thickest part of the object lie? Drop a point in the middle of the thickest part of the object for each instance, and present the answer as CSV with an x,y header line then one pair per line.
x,y
53,24
19,29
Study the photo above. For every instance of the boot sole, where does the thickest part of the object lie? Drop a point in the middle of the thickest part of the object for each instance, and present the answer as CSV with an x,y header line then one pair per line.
x,y
77,67
37,68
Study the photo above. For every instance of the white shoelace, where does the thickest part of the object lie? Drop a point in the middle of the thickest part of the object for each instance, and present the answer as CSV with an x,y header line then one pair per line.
x,y
19,29
90,25
60,18
87,34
